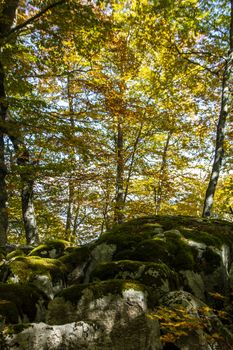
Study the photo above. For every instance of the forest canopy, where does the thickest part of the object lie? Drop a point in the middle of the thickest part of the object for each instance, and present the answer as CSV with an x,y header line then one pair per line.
x,y
111,110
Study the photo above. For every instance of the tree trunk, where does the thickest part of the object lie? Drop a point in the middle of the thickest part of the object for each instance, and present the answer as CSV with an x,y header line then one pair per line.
x,y
3,195
226,107
158,192
69,214
3,170
119,204
131,165
27,183
28,212
71,189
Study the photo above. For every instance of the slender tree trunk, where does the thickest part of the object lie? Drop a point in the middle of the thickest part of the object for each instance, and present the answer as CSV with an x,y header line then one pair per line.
x,y
132,162
119,204
3,170
158,192
69,210
28,211
226,107
3,195
69,215
27,183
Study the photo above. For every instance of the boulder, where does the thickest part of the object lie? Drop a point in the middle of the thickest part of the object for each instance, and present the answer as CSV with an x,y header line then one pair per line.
x,y
152,283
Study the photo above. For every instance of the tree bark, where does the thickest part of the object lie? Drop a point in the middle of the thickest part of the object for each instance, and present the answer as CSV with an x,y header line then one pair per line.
x,y
119,204
27,183
71,189
69,214
158,192
226,107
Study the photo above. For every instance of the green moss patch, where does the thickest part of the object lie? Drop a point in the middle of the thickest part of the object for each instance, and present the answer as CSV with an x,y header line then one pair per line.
x,y
210,261
136,239
202,237
151,274
99,289
14,253
18,300
124,241
75,256
17,328
50,249
9,311
153,250
25,268
180,254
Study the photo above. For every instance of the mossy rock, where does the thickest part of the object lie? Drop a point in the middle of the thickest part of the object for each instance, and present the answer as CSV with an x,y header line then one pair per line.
x,y
151,274
129,234
135,239
99,289
181,254
75,256
153,250
2,253
15,253
122,240
18,300
17,328
9,311
211,232
202,237
26,268
210,261
50,249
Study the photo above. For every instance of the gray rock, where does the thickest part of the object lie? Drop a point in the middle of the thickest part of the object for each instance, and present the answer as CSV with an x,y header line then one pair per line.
x,y
194,282
136,331
102,253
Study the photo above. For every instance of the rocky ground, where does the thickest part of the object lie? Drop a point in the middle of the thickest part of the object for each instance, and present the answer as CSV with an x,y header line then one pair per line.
x,y
152,283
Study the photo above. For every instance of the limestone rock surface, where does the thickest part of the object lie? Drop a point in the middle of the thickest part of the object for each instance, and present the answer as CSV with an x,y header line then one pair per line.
x,y
153,283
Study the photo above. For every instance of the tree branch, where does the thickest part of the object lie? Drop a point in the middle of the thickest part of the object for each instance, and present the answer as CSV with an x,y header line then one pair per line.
x,y
194,62
35,17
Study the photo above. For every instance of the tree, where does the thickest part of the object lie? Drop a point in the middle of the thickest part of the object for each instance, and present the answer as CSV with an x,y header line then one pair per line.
x,y
225,110
7,31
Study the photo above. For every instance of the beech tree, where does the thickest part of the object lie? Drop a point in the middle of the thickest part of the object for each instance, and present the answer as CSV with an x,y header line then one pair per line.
x,y
110,113
225,109
9,29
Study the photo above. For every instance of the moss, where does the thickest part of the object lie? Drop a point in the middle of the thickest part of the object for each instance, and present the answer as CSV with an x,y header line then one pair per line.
x,y
9,311
210,261
23,297
27,267
99,289
130,238
17,328
2,253
201,237
75,256
60,312
14,253
125,254
153,250
147,273
173,252
223,230
181,255
45,250
123,240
